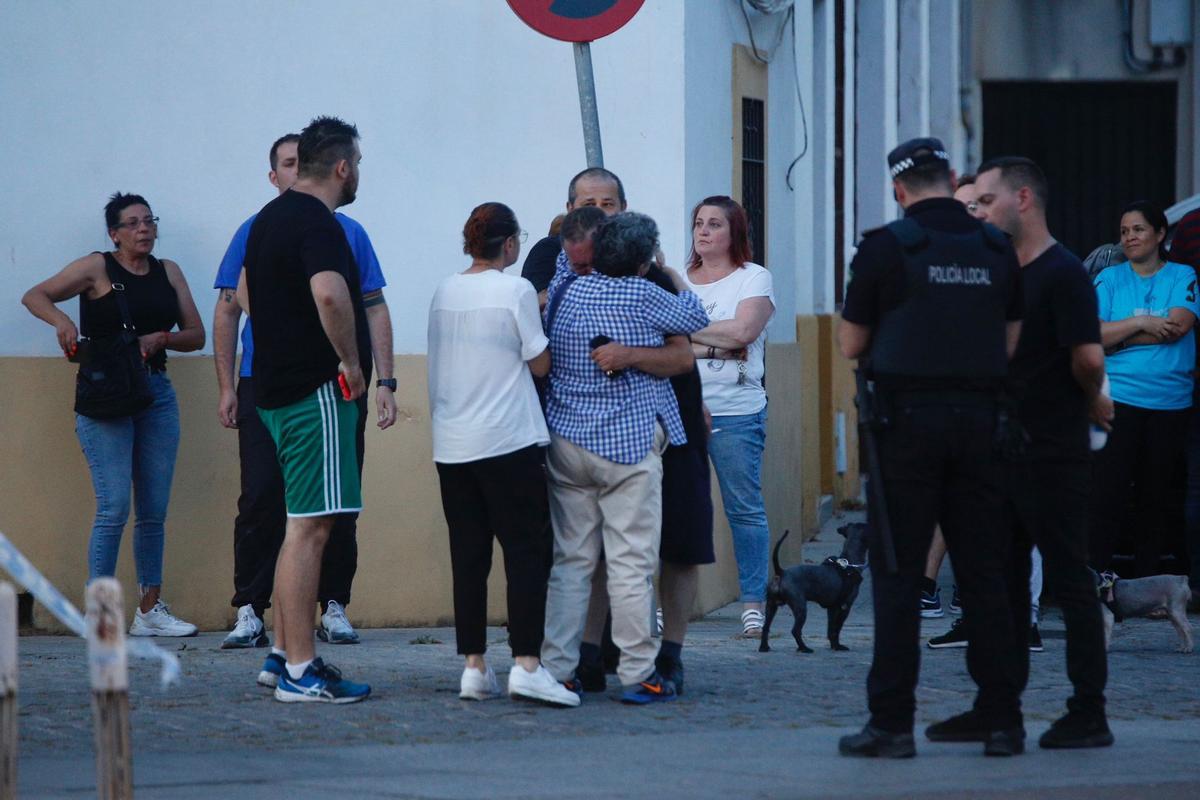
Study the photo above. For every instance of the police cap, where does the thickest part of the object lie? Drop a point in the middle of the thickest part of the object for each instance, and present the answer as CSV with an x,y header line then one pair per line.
x,y
916,153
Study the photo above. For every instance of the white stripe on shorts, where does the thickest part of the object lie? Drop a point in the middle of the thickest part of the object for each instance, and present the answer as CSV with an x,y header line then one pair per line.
x,y
329,442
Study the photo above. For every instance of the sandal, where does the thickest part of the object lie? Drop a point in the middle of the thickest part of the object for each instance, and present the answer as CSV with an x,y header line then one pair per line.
x,y
752,623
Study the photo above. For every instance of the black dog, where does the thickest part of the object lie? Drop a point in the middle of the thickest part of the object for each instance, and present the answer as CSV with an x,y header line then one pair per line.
x,y
832,584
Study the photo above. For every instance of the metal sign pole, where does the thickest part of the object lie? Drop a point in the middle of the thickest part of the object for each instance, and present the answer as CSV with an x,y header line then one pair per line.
x,y
587,104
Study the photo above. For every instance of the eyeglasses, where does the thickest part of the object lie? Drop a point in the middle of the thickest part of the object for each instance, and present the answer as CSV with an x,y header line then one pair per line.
x,y
134,224
521,235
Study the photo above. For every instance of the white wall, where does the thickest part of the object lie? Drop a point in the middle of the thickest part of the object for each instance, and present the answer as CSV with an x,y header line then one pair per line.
x,y
457,102
711,28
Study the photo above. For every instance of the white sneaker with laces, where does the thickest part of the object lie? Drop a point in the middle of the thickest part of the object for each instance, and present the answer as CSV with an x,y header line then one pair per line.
x,y
476,685
248,632
335,628
159,621
539,686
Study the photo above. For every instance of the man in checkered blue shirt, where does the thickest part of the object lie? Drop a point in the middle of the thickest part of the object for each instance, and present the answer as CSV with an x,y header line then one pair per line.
x,y
608,431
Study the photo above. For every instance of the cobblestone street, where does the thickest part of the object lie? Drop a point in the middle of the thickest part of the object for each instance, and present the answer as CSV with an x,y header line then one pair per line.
x,y
750,723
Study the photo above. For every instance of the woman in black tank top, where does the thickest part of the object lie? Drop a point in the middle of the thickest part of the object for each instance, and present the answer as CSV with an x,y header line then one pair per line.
x,y
134,454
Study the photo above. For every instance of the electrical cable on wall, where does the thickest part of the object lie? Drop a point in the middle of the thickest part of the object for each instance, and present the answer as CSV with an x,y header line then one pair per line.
x,y
774,7
800,100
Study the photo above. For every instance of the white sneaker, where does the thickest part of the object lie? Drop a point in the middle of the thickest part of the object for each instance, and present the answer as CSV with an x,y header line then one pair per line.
x,y
540,686
248,632
335,628
476,685
159,621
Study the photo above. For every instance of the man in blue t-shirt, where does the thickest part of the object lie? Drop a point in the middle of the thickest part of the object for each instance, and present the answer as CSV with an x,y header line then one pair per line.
x,y
258,529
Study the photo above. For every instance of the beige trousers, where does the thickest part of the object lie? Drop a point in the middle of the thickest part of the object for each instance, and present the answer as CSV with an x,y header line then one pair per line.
x,y
598,506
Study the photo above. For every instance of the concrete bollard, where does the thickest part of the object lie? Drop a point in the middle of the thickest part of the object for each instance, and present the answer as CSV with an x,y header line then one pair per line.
x,y
8,691
109,673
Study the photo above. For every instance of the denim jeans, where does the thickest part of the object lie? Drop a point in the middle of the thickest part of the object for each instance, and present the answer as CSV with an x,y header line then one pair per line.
x,y
736,448
137,453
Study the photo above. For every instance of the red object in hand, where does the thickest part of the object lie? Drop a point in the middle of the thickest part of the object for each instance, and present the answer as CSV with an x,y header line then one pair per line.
x,y
345,386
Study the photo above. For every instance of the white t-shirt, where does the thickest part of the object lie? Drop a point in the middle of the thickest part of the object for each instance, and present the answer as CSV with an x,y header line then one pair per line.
x,y
723,395
483,327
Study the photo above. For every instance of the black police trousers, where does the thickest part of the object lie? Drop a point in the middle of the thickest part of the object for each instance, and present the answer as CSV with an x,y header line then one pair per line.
x,y
1048,495
261,520
938,465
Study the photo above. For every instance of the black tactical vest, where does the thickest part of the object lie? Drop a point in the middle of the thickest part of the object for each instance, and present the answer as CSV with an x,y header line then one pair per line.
x,y
951,321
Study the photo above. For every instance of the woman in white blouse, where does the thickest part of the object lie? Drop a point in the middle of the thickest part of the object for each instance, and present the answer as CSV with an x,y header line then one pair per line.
x,y
739,299
485,345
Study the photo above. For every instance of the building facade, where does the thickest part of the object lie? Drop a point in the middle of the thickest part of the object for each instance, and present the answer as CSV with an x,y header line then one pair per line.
x,y
787,106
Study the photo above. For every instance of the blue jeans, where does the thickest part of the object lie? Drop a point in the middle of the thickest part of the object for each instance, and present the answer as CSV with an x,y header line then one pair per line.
x,y
135,453
736,448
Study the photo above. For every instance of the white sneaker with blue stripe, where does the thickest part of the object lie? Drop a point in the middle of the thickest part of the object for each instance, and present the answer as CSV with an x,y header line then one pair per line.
x,y
320,683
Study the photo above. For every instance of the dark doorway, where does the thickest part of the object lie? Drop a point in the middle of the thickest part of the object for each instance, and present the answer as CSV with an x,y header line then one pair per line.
x,y
1102,145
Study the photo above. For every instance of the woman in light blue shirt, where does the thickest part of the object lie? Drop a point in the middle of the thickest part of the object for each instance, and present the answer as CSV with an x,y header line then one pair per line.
x,y
1147,310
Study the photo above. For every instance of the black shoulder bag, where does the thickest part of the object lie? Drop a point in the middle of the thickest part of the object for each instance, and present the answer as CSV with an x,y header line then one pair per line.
x,y
113,379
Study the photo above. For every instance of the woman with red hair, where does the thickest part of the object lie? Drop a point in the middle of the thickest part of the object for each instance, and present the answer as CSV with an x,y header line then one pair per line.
x,y
739,299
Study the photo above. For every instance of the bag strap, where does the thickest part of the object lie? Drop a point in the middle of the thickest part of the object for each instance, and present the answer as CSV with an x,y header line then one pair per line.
x,y
556,298
119,290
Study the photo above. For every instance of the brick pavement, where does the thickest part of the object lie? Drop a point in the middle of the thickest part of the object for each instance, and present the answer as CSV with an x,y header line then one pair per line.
x,y
733,694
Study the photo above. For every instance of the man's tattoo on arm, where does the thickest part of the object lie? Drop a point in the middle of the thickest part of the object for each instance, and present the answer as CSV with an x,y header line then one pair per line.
x,y
373,299
228,295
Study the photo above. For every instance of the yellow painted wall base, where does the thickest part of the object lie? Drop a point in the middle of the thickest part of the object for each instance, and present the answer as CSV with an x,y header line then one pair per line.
x,y
47,504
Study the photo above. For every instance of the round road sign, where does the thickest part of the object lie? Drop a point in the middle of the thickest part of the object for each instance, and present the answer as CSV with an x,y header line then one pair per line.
x,y
575,20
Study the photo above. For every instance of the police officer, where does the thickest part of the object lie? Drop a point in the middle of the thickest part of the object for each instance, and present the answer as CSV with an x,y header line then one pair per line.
x,y
935,305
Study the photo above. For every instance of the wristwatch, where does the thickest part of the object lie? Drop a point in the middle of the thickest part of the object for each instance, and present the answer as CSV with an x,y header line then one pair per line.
x,y
386,383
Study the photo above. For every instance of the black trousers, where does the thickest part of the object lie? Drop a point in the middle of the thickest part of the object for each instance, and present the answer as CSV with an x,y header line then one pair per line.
x,y
1047,506
505,497
1143,450
261,521
938,466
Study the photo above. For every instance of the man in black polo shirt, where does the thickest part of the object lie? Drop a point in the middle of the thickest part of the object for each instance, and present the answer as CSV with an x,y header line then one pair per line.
x,y
1056,374
935,305
594,186
310,334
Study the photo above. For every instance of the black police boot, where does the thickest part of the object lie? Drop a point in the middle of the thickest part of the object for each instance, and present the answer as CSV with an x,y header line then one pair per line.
x,y
1075,730
1008,742
873,743
965,727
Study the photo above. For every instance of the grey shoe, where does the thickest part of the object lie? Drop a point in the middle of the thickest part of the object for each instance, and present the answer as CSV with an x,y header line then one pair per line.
x,y
335,628
159,621
248,632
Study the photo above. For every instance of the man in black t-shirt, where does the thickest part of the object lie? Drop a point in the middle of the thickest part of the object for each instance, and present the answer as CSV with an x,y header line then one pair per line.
x,y
1056,375
310,336
595,186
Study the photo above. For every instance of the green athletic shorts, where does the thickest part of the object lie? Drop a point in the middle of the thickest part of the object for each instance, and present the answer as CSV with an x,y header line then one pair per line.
x,y
315,444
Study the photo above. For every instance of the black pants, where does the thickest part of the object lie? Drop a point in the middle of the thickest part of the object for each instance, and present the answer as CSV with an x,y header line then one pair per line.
x,y
1191,507
938,466
261,521
1047,506
1143,450
505,497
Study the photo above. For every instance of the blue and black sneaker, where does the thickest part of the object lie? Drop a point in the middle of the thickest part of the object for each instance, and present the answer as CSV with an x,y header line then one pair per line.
x,y
652,690
574,685
272,668
320,683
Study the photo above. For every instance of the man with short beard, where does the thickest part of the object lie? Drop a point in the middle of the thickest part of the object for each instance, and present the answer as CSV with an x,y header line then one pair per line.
x,y
311,340
1057,374
258,529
